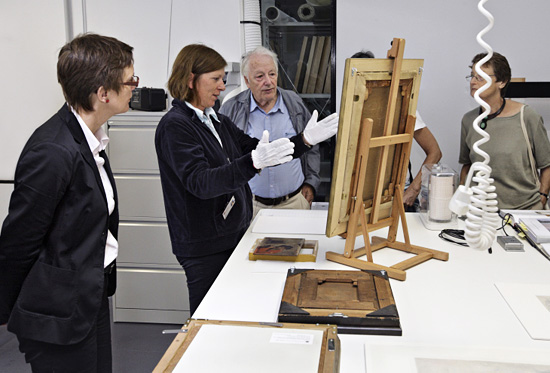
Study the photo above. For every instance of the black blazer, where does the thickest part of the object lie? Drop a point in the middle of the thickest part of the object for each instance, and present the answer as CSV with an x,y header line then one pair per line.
x,y
52,244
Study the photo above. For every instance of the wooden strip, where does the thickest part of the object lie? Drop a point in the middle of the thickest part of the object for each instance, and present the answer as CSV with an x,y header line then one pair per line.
x,y
358,210
440,255
362,264
384,293
314,72
300,65
323,66
411,262
291,290
367,291
309,64
307,290
168,361
364,225
390,140
397,51
326,86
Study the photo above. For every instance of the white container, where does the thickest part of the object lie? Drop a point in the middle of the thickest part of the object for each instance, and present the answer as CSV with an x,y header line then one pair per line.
x,y
439,183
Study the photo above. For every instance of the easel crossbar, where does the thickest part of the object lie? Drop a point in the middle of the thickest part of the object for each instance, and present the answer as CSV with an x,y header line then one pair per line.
x,y
390,140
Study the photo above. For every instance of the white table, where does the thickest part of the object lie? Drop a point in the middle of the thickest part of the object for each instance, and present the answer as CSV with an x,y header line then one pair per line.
x,y
447,309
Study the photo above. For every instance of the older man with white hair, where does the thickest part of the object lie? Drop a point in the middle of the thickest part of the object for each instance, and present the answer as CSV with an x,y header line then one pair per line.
x,y
264,106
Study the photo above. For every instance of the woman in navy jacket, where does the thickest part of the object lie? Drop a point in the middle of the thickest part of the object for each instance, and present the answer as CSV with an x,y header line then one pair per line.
x,y
58,244
205,164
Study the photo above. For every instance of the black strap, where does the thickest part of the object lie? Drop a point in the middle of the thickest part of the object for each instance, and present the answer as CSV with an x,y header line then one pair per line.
x,y
252,22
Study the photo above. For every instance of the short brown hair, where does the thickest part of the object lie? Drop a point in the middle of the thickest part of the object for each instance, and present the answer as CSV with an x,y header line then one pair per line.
x,y
88,62
500,66
196,59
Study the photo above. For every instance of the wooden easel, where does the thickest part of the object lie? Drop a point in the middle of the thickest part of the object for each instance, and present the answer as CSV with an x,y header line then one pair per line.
x,y
357,208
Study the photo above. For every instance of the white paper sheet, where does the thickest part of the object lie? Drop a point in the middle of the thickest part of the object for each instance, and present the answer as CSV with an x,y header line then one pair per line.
x,y
242,349
454,359
291,221
529,304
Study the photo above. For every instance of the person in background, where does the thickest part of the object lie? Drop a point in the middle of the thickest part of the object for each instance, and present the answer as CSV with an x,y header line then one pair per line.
x,y
205,164
264,106
511,146
58,244
426,140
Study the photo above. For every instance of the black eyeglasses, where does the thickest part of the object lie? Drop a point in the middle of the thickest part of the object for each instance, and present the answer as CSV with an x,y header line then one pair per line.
x,y
134,81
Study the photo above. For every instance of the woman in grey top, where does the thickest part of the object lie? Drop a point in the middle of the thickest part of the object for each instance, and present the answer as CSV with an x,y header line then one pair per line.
x,y
515,182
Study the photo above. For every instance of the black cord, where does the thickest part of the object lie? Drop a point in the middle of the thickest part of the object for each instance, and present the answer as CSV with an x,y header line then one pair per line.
x,y
455,236
505,219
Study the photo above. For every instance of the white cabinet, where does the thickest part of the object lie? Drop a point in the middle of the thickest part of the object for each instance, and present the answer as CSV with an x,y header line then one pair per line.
x,y
151,283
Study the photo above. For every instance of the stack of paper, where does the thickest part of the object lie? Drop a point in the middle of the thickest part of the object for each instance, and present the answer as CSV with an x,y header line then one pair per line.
x,y
536,228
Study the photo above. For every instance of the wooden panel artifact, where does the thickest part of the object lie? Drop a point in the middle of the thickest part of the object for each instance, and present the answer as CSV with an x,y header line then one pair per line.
x,y
357,301
285,249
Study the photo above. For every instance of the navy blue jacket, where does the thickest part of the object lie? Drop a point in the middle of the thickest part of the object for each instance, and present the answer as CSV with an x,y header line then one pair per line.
x,y
199,178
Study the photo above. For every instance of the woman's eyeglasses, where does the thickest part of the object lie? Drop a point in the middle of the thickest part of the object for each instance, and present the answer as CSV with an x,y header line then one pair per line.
x,y
476,78
134,81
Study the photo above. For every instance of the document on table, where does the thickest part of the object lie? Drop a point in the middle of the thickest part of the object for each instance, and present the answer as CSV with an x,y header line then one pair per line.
x,y
291,221
531,305
225,348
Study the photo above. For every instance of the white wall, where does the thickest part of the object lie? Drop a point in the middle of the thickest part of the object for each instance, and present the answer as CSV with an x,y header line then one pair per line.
x,y
443,33
33,31
31,34
145,25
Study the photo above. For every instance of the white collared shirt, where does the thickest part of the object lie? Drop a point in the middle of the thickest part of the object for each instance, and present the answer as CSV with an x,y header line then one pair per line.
x,y
98,142
205,118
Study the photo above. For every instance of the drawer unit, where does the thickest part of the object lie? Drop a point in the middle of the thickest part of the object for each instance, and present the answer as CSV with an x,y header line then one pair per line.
x,y
132,149
151,284
150,244
140,197
151,295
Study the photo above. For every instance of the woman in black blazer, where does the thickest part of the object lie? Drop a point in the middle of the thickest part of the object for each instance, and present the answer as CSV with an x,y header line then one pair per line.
x,y
58,244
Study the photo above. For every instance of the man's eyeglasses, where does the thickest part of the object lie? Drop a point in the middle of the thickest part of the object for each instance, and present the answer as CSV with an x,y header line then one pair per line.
x,y
477,78
134,81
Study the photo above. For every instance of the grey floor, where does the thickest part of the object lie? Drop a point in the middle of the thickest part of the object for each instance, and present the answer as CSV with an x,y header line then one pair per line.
x,y
137,348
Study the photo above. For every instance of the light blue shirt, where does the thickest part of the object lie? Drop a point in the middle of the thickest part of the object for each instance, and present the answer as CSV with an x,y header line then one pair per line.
x,y
283,179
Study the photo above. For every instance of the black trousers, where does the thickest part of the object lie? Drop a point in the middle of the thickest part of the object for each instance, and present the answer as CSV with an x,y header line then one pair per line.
x,y
92,354
201,272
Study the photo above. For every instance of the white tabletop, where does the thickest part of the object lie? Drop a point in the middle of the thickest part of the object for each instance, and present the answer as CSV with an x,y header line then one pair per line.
x,y
447,309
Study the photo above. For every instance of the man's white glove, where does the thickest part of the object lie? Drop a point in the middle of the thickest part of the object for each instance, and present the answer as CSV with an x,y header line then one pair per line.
x,y
272,153
315,132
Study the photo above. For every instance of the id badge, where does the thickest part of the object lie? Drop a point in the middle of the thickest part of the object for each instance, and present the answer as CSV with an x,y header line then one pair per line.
x,y
228,207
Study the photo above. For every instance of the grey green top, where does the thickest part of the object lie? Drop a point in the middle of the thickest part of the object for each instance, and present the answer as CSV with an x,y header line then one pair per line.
x,y
515,185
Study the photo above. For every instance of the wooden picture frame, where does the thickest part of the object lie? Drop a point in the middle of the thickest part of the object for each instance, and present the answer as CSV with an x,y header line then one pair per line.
x,y
365,94
373,146
329,349
358,302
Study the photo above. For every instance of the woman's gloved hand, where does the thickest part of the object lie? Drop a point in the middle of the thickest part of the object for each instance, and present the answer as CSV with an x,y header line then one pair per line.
x,y
272,153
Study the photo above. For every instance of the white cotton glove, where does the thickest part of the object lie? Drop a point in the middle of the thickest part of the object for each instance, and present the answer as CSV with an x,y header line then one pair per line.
x,y
272,153
315,132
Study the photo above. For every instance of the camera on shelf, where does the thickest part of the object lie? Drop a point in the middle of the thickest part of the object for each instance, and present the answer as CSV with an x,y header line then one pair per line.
x,y
148,99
